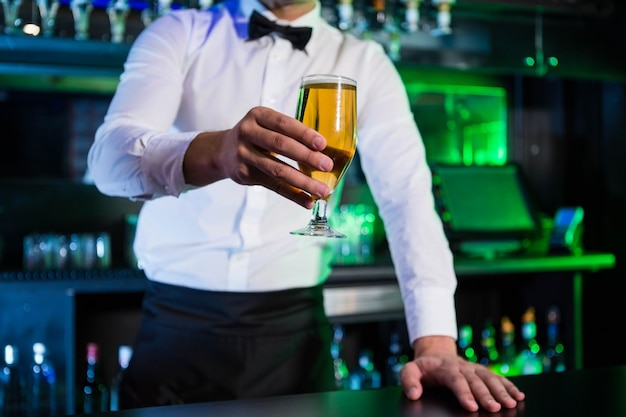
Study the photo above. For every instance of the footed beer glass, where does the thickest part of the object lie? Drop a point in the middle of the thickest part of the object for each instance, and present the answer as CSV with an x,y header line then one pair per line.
x,y
327,103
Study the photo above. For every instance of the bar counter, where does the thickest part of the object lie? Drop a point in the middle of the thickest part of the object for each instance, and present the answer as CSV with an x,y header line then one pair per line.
x,y
599,392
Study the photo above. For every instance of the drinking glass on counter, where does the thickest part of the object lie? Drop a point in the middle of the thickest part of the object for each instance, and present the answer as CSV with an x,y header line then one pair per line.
x,y
327,103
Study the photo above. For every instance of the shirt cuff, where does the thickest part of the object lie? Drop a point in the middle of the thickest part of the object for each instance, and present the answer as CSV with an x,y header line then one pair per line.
x,y
162,163
430,312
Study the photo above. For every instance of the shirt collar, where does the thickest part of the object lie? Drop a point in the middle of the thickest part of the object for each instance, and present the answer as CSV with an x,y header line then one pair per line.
x,y
246,7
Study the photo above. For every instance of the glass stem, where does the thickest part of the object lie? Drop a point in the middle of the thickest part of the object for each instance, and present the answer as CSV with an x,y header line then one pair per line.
x,y
319,211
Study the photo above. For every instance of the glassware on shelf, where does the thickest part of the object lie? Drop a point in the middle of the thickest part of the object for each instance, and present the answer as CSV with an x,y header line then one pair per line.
x,y
81,11
163,7
412,16
155,9
345,14
11,10
118,11
444,17
48,10
204,4
149,14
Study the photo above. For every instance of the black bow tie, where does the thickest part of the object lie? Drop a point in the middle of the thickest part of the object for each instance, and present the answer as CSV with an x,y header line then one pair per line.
x,y
260,26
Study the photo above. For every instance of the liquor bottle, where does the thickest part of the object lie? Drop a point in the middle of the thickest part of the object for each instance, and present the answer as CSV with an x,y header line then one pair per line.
x,y
94,391
466,343
366,376
488,351
395,360
11,384
339,363
529,360
41,384
124,354
508,349
554,357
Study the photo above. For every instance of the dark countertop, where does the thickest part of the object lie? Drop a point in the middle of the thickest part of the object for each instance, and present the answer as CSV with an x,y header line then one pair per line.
x,y
583,393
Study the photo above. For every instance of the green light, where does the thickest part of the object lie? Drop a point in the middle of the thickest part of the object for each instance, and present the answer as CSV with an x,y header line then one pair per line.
x,y
553,61
462,118
469,353
559,348
529,61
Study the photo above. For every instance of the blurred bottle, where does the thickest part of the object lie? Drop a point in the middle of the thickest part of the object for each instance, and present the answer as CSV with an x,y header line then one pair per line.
x,y
529,360
508,349
336,350
488,351
366,376
41,384
466,343
11,384
94,393
124,354
395,360
554,358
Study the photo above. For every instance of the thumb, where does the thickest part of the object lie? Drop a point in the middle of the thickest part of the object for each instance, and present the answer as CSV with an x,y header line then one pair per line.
x,y
410,378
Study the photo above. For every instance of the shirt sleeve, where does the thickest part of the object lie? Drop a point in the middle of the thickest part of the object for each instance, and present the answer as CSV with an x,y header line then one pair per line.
x,y
135,153
394,163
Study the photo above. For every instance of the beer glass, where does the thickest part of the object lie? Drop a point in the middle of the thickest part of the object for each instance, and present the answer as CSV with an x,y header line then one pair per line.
x,y
327,103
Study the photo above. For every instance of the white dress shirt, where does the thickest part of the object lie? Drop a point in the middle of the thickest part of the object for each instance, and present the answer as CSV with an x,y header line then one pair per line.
x,y
191,71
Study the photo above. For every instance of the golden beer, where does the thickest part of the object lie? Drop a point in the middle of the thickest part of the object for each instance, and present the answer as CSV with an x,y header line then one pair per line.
x,y
329,107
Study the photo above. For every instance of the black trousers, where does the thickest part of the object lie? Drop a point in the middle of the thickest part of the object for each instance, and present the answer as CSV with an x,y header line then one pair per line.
x,y
198,346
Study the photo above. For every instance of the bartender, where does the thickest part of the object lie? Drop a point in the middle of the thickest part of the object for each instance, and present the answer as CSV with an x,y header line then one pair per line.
x,y
201,129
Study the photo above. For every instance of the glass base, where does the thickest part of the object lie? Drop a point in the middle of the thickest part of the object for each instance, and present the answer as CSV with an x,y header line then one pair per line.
x,y
320,229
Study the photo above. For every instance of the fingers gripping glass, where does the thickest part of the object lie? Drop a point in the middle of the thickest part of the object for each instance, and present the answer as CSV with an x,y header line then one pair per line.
x,y
327,103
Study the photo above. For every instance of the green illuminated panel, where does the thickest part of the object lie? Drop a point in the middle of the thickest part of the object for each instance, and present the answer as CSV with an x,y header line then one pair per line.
x,y
461,124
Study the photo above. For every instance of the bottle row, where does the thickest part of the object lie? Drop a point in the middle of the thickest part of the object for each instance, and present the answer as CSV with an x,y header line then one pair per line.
x,y
382,20
29,388
368,372
509,352
98,395
29,391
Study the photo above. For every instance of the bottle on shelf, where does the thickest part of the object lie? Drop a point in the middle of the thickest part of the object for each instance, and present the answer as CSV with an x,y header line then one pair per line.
x,y
508,348
366,376
124,353
395,360
41,384
336,350
94,396
466,343
489,355
11,384
554,358
529,358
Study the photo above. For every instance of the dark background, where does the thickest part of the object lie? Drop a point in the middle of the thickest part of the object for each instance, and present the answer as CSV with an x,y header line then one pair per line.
x,y
566,130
